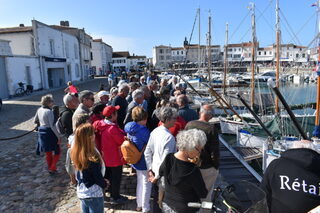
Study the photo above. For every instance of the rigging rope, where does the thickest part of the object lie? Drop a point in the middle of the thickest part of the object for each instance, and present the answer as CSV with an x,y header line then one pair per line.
x,y
290,28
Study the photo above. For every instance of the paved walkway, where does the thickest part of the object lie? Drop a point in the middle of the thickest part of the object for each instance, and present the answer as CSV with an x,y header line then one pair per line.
x,y
25,185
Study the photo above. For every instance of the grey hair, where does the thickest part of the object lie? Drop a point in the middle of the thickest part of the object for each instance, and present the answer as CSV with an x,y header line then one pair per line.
x,y
123,86
303,144
67,98
138,93
81,119
206,112
84,95
46,100
188,140
133,85
167,114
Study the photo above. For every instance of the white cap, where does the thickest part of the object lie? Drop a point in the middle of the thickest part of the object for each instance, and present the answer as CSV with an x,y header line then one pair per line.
x,y
102,93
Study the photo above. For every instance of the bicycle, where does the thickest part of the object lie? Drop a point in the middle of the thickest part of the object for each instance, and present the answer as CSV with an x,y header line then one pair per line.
x,y
240,197
21,91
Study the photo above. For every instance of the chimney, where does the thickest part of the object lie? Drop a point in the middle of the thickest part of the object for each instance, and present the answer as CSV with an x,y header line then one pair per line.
x,y
21,25
66,23
62,23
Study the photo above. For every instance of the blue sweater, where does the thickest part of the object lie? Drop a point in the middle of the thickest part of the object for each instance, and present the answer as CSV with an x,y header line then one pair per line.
x,y
139,135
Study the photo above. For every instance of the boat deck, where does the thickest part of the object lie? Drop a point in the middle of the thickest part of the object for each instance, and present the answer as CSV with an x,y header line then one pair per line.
x,y
233,167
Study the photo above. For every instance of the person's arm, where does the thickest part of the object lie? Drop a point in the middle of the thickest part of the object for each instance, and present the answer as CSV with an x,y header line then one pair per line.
x,y
50,117
66,119
95,168
265,184
199,187
117,134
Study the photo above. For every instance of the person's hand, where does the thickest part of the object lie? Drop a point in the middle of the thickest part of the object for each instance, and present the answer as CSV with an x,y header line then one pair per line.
x,y
150,176
154,180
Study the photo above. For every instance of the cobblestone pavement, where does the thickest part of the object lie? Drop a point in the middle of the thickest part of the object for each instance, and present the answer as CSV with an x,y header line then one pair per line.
x,y
25,184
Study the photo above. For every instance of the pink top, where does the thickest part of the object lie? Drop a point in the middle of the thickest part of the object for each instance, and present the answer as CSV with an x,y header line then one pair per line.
x,y
73,89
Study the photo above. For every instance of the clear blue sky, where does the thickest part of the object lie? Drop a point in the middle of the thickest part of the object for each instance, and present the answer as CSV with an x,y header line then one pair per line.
x,y
139,25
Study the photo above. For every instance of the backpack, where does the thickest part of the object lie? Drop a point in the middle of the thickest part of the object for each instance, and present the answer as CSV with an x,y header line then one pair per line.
x,y
60,128
130,152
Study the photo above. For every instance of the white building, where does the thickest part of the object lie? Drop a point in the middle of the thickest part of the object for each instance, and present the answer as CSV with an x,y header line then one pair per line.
x,y
119,61
161,57
101,57
15,69
58,52
84,43
136,62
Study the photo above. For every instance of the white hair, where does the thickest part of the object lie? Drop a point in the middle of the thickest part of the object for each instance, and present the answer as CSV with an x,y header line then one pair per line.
x,y
303,144
188,140
206,112
123,87
67,98
138,93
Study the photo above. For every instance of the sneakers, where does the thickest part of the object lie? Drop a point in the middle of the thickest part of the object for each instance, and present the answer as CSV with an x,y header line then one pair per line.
x,y
120,200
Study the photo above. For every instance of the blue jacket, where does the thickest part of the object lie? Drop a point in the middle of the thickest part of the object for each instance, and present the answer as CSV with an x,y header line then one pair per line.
x,y
139,135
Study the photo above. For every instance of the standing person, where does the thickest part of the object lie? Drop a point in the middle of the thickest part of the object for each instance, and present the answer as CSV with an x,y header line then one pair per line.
x,y
72,89
210,154
81,119
89,170
139,134
161,143
102,101
142,81
120,100
113,94
71,102
86,98
184,111
133,86
138,98
291,182
47,133
112,138
182,177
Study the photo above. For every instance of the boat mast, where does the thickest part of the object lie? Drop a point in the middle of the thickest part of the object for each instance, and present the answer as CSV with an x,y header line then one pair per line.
x,y
253,52
199,34
209,49
316,131
277,53
225,59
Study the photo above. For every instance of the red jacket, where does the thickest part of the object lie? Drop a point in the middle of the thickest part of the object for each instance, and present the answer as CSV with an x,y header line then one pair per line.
x,y
109,138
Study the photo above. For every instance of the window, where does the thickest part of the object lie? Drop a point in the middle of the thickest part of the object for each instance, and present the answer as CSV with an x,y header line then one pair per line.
x,y
161,57
66,47
177,52
77,71
161,51
259,53
91,55
303,55
297,55
76,51
239,49
265,53
181,52
51,42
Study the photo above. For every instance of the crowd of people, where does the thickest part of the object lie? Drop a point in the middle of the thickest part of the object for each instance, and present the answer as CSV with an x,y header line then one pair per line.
x,y
180,147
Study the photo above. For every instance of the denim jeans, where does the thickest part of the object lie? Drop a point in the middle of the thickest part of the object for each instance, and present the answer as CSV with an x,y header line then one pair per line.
x,y
92,205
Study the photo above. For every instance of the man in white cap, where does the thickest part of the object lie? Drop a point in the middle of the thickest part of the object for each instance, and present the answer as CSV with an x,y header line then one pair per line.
x,y
103,97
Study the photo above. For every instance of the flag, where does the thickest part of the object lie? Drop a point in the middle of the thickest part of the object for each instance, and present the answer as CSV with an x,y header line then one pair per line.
x,y
314,5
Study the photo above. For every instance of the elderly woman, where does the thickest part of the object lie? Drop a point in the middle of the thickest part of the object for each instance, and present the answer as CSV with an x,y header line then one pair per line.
x,y
160,144
139,134
47,133
183,180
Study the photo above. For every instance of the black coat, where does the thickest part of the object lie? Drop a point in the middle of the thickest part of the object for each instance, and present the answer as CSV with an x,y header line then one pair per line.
x,y
292,182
